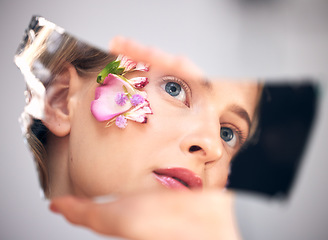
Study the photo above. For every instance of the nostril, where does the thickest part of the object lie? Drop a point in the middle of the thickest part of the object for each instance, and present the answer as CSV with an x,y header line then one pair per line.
x,y
194,148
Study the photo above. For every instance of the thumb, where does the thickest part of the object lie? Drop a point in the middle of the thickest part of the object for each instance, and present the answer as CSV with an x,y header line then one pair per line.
x,y
72,208
100,217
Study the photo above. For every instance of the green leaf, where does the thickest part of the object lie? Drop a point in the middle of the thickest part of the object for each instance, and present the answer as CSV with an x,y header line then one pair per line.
x,y
112,67
99,79
119,71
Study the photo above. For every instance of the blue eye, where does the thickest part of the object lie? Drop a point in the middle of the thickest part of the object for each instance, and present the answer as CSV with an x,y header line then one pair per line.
x,y
175,90
228,135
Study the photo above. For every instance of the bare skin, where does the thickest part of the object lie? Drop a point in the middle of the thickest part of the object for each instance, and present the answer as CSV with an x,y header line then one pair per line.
x,y
86,159
165,214
155,215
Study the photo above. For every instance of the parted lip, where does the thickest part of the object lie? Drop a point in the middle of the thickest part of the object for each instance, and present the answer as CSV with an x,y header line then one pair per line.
x,y
178,178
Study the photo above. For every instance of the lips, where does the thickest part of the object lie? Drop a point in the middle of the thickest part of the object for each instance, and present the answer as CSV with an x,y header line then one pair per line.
x,y
178,178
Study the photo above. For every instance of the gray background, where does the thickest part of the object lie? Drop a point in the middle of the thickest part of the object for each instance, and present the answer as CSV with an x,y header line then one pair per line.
x,y
271,38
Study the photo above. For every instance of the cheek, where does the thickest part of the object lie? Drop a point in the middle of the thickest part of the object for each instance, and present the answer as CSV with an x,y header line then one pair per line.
x,y
92,147
100,156
217,176
82,146
169,116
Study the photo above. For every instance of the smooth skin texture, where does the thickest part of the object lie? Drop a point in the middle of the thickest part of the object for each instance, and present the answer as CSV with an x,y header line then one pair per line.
x,y
87,159
158,214
155,215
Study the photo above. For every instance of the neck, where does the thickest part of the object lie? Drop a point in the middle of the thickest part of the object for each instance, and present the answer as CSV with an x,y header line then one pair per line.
x,y
57,159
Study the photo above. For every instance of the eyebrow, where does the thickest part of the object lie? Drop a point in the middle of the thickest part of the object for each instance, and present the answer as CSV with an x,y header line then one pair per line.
x,y
241,112
206,83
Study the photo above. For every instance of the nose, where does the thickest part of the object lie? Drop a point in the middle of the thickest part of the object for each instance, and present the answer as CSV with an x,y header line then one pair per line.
x,y
203,142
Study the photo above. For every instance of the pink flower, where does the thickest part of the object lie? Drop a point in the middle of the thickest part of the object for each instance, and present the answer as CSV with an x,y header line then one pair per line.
x,y
119,67
138,82
127,63
119,99
104,107
138,114
137,99
142,67
130,65
121,121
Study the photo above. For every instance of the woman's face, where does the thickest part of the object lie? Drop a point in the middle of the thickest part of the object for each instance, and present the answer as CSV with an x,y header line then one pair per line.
x,y
195,130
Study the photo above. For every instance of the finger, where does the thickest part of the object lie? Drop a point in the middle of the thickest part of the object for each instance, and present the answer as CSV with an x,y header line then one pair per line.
x,y
72,208
102,218
167,63
140,53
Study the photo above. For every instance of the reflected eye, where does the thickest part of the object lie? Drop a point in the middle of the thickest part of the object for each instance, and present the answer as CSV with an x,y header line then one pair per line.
x,y
175,90
228,135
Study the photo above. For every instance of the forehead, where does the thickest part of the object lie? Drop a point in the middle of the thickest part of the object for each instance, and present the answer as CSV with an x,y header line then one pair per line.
x,y
225,93
220,93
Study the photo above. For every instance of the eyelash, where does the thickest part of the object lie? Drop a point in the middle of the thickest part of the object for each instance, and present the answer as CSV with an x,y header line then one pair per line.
x,y
240,134
183,85
241,137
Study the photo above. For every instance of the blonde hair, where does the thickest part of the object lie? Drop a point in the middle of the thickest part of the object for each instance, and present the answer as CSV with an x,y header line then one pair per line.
x,y
45,54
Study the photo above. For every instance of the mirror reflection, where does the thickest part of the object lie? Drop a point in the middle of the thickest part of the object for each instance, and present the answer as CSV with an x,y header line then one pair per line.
x,y
140,119
269,164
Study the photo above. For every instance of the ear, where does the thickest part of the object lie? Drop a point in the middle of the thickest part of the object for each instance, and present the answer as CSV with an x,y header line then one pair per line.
x,y
56,102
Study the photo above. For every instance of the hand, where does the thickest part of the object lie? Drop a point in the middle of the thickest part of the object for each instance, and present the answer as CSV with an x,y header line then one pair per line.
x,y
155,215
178,66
